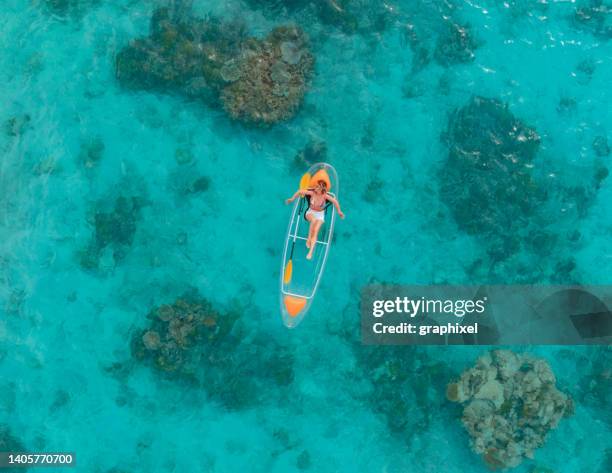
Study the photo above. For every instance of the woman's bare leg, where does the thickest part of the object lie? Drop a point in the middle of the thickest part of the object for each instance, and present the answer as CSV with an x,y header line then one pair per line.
x,y
317,224
310,218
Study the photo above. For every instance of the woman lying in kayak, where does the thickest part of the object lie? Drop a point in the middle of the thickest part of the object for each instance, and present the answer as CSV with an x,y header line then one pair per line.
x,y
316,212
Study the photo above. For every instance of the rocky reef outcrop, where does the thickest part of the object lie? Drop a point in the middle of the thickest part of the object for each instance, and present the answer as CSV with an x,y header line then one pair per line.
x,y
192,341
511,402
259,81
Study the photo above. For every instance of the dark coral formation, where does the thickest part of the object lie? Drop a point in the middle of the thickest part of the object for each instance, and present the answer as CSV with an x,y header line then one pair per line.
x,y
303,460
349,16
186,181
113,232
566,105
585,70
72,8
494,191
191,340
595,16
601,146
487,179
455,45
596,384
511,403
18,125
256,81
434,31
407,386
91,152
182,55
118,226
314,152
356,16
519,9
177,327
420,52
606,463
9,443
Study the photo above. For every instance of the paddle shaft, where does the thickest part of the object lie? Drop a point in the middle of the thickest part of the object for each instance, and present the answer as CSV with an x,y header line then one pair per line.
x,y
299,214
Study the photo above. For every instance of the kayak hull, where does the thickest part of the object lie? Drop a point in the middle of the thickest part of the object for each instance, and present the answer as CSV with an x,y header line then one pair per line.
x,y
300,277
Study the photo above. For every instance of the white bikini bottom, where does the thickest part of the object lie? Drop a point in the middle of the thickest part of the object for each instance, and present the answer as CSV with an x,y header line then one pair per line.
x,y
317,214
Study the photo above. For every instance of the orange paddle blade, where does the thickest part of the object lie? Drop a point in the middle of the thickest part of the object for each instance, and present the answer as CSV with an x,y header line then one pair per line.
x,y
288,272
305,181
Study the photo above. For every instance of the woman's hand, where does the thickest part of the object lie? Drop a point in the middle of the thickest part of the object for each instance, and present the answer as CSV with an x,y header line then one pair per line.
x,y
341,214
288,201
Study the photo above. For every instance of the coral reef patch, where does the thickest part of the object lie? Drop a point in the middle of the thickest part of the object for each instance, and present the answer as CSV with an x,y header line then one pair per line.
x,y
601,146
187,181
17,126
455,45
180,54
596,384
113,234
594,16
490,185
407,386
511,402
487,179
349,16
313,152
257,81
91,152
435,30
70,8
9,443
192,341
268,80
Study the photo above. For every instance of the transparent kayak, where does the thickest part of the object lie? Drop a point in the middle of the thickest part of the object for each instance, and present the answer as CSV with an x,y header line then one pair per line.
x,y
300,277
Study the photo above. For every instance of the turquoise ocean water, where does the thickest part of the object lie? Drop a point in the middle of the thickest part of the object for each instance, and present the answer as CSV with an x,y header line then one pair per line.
x,y
210,216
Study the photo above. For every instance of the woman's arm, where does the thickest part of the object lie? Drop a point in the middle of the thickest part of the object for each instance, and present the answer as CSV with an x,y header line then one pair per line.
x,y
334,201
300,192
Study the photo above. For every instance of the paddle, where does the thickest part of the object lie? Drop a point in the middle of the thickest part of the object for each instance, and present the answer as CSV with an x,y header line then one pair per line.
x,y
304,183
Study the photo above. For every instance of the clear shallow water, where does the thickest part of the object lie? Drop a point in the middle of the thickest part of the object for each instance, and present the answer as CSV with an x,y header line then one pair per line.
x,y
63,327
